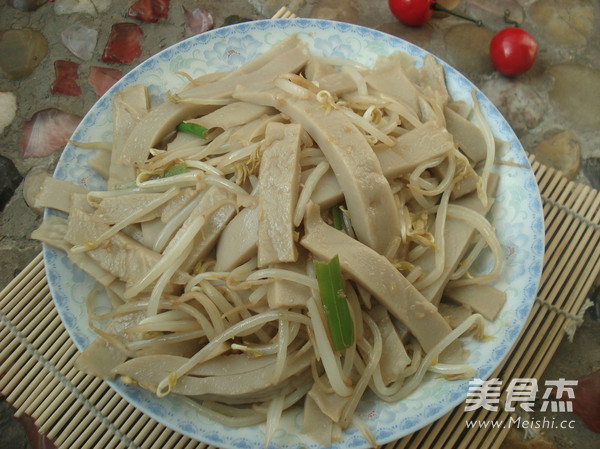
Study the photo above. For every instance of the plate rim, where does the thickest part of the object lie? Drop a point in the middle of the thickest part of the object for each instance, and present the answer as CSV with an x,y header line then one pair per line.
x,y
286,24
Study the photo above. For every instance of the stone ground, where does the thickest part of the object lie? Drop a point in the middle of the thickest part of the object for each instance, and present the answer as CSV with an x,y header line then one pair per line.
x,y
554,109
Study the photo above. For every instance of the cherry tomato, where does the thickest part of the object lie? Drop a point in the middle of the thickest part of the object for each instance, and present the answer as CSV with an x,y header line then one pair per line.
x,y
513,51
412,12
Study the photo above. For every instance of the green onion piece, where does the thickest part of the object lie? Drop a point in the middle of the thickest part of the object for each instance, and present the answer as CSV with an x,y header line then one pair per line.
x,y
126,185
335,304
192,128
178,169
338,218
174,170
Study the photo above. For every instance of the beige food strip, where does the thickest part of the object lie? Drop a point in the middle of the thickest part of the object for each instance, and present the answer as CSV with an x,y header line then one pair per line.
x,y
483,299
416,147
54,193
388,77
121,255
282,293
231,115
468,136
279,183
239,240
130,106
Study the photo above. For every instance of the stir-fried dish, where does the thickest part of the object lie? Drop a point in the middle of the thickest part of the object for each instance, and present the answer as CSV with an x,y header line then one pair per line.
x,y
289,234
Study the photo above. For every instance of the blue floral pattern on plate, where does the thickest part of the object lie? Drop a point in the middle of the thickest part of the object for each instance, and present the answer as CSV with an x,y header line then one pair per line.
x,y
517,216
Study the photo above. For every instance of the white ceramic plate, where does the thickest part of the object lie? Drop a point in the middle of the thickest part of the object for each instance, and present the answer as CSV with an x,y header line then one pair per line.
x,y
517,216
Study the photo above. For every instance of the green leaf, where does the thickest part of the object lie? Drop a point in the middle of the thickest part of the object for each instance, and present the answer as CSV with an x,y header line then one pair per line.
x,y
335,304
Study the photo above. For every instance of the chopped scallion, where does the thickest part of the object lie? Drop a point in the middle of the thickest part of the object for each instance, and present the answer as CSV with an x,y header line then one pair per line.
x,y
192,128
178,169
335,304
337,217
126,185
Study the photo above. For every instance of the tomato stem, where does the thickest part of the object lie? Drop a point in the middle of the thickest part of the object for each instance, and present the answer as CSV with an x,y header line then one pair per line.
x,y
508,20
438,7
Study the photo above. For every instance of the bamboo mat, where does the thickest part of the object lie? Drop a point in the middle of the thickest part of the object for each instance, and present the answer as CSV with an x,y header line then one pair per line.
x,y
76,411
